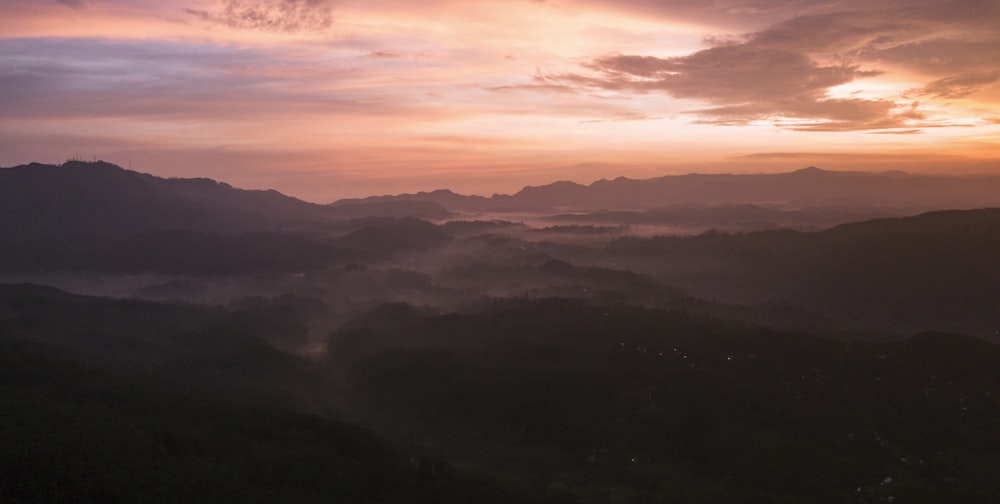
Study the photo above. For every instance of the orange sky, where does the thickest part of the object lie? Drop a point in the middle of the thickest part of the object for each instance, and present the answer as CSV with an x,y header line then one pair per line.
x,y
325,99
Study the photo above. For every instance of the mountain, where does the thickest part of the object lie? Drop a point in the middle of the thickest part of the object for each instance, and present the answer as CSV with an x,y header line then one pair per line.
x,y
937,270
194,349
730,217
807,187
81,198
572,363
124,401
624,404
443,197
392,208
82,216
391,235
88,198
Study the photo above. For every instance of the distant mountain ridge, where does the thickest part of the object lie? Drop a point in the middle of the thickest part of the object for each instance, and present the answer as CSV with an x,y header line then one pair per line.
x,y
806,187
99,198
103,199
97,216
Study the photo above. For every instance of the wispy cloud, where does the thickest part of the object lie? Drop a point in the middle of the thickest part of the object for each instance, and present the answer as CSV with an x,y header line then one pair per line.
x,y
58,78
624,116
270,15
73,4
383,53
961,85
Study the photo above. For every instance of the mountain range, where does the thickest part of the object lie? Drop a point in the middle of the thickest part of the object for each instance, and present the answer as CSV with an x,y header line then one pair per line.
x,y
87,197
701,338
99,198
937,270
806,187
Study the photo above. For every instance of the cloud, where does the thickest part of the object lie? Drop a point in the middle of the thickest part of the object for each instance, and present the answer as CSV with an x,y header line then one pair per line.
x,y
959,86
728,74
45,78
784,74
282,16
624,116
754,15
73,4
899,132
383,53
748,82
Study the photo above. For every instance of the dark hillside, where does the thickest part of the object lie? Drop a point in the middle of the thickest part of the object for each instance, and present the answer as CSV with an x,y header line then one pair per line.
x,y
72,433
934,271
620,404
122,401
102,199
98,217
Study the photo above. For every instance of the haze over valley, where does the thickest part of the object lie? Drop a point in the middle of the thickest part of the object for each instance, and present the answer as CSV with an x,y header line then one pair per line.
x,y
516,348
545,251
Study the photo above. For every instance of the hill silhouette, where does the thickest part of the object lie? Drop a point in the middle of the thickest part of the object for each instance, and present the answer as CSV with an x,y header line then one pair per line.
x,y
623,404
96,216
123,401
99,198
575,356
807,187
391,208
933,271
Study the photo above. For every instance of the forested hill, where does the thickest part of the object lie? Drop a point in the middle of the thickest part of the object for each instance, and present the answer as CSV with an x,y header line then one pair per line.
x,y
933,271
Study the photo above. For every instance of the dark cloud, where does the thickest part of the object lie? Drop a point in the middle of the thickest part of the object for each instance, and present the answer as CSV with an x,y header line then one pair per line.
x,y
382,53
941,57
784,73
729,74
808,114
283,16
958,86
756,15
747,82
956,44
721,13
73,4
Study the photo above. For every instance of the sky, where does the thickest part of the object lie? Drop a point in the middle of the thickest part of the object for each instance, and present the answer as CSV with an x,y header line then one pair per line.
x,y
325,99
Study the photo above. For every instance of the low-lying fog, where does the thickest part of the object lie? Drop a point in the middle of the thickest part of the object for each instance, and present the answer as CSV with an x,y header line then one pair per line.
x,y
721,255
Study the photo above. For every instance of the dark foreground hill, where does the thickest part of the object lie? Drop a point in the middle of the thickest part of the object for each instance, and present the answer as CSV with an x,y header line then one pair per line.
x,y
123,401
74,434
563,400
621,404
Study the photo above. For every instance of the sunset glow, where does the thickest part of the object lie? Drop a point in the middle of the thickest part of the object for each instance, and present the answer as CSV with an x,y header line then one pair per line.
x,y
326,99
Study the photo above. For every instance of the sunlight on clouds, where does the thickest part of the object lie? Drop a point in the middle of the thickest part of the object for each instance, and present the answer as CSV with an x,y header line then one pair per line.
x,y
870,89
488,91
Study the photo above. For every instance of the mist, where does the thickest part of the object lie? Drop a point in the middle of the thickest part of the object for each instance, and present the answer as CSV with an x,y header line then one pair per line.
x,y
537,353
